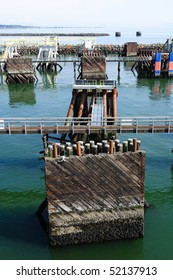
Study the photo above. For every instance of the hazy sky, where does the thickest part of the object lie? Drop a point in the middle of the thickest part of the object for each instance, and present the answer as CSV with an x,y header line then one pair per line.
x,y
114,13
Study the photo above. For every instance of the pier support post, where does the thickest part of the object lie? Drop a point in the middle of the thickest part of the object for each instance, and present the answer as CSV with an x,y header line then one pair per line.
x,y
42,207
82,103
118,68
114,103
105,106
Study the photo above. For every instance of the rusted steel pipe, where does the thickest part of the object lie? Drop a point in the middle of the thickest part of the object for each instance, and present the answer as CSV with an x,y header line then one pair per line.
x,y
82,104
114,102
105,104
71,107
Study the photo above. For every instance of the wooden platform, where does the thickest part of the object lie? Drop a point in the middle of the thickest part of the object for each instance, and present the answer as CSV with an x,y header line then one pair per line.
x,y
93,67
19,70
24,128
95,197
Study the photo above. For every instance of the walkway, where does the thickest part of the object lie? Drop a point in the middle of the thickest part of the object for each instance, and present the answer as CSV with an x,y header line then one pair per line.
x,y
52,125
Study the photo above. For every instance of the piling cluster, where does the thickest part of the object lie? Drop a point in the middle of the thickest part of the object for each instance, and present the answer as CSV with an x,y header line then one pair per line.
x,y
28,50
80,148
67,49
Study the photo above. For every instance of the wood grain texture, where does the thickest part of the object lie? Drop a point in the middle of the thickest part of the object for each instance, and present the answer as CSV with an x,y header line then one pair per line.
x,y
88,189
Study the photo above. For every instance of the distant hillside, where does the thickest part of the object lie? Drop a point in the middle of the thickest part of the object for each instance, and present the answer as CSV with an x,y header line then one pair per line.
x,y
15,26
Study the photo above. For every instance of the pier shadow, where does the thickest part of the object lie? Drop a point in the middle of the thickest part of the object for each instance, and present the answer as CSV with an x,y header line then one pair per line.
x,y
20,229
21,93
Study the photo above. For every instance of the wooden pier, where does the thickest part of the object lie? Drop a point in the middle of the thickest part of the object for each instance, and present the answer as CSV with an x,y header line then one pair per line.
x,y
95,197
161,65
94,184
19,70
93,96
95,187
162,124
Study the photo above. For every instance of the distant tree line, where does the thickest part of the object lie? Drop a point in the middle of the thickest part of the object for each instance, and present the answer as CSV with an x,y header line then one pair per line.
x,y
15,26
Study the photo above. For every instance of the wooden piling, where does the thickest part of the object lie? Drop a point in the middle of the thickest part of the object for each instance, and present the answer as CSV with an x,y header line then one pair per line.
x,y
119,148
99,148
134,145
125,146
69,151
87,148
55,154
111,147
45,144
62,150
74,149
78,149
130,143
117,141
138,144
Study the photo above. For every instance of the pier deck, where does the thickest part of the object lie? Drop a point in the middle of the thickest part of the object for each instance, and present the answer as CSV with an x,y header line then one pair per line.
x,y
75,59
84,125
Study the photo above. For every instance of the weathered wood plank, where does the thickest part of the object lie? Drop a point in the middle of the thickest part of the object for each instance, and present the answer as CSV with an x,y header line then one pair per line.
x,y
95,197
19,70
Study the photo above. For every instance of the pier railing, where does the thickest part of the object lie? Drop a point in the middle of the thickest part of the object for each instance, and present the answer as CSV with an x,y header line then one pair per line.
x,y
75,59
58,125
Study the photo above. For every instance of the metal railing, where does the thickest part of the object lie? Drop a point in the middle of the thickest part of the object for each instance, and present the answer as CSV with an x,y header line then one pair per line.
x,y
156,124
72,59
95,82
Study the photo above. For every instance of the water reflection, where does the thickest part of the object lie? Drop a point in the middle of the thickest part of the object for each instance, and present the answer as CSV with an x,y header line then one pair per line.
x,y
21,93
128,65
48,79
159,88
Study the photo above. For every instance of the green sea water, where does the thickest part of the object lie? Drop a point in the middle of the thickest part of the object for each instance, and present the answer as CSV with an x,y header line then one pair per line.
x,y
22,181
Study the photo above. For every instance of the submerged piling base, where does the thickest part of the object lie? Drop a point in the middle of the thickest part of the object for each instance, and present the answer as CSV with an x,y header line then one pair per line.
x,y
96,226
95,197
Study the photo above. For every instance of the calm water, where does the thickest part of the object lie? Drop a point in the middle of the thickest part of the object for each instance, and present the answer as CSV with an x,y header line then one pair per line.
x,y
127,35
22,182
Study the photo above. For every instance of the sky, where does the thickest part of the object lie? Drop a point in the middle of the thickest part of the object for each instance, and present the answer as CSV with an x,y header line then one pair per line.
x,y
120,14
